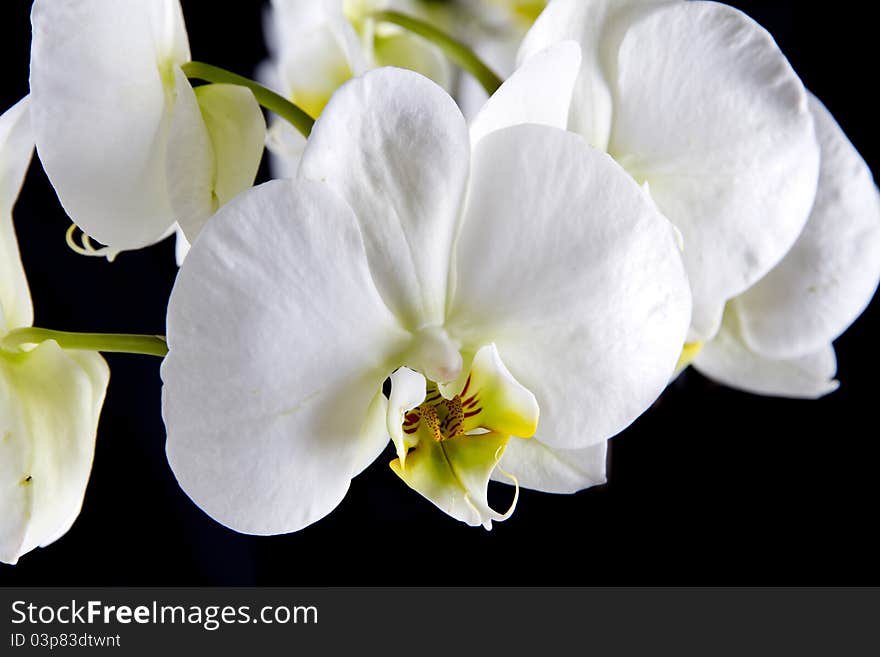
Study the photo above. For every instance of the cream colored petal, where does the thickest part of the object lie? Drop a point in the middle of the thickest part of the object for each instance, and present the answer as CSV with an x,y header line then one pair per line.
x,y
728,360
232,139
830,275
406,50
710,113
238,133
597,25
50,402
551,469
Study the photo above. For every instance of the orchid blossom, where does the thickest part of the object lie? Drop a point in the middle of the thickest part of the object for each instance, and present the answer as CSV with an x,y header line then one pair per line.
x,y
697,103
50,398
132,150
524,295
776,337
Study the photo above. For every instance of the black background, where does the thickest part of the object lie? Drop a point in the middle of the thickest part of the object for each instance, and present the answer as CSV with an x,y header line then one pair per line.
x,y
711,486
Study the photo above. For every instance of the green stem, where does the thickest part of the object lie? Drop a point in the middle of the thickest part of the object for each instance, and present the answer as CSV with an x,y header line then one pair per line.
x,y
293,114
148,345
454,49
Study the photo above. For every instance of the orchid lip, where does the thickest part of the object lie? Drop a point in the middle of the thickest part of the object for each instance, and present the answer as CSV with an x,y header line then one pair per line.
x,y
448,448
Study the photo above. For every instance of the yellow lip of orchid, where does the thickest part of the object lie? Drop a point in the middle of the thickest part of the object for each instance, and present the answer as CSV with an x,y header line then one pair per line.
x,y
448,448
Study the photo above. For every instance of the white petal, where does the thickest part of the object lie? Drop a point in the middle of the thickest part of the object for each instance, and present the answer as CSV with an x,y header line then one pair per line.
x,y
565,264
710,114
101,91
16,148
279,343
539,91
551,469
50,401
396,147
181,246
728,360
596,25
828,278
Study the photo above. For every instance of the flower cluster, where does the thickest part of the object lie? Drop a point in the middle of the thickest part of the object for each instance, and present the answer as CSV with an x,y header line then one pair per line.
x,y
494,281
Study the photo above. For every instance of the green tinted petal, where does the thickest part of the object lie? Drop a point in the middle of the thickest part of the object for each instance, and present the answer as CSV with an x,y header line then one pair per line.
x,y
407,50
237,131
50,402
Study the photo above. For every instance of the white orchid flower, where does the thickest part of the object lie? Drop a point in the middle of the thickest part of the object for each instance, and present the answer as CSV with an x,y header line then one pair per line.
x,y
776,337
50,398
697,103
131,148
528,272
317,45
